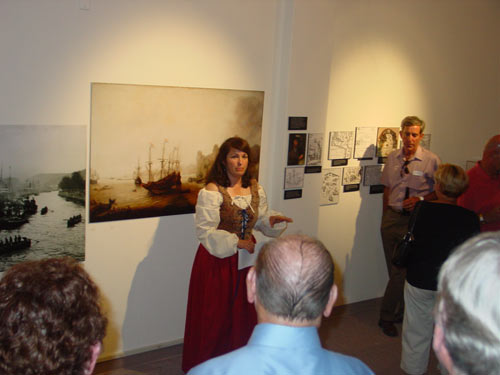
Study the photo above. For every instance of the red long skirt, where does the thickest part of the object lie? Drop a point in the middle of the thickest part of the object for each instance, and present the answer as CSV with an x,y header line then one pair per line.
x,y
219,318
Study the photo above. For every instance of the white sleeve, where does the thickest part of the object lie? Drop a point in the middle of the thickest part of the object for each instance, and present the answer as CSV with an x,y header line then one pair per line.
x,y
219,243
262,223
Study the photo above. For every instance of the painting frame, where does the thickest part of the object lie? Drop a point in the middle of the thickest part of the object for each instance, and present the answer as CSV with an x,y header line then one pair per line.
x,y
165,138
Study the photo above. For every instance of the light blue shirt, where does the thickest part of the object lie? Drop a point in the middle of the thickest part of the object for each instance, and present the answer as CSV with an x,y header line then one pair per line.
x,y
282,350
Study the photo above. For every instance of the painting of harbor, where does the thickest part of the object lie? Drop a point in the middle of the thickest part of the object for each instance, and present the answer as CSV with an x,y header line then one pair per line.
x,y
151,146
42,192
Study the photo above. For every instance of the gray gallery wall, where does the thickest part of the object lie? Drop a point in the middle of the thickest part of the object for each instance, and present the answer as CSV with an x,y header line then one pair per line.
x,y
341,63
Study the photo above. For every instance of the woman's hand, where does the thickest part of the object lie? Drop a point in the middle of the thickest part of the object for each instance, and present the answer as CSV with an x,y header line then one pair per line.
x,y
248,245
278,219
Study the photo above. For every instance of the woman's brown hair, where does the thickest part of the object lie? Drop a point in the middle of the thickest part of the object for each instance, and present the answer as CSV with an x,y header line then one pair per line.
x,y
218,172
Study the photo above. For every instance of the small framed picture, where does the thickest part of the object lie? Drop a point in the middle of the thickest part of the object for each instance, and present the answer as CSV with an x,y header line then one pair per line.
x,y
387,141
294,177
330,186
314,148
373,174
296,149
352,175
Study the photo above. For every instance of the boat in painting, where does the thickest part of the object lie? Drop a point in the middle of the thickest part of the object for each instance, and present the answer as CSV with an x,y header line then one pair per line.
x,y
9,245
169,180
73,220
138,180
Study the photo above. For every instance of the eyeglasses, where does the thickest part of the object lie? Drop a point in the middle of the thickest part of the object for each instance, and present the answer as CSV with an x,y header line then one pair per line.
x,y
404,168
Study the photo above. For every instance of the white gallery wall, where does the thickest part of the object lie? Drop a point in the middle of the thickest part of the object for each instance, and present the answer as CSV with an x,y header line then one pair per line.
x,y
388,59
341,63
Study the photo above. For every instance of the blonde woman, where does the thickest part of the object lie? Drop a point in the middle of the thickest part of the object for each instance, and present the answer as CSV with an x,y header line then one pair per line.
x,y
441,226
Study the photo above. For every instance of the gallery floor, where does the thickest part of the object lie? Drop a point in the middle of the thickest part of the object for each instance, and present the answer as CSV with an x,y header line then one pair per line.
x,y
351,329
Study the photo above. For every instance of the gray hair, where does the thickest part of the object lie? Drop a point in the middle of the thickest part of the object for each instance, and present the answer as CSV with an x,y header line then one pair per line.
x,y
413,121
468,308
294,277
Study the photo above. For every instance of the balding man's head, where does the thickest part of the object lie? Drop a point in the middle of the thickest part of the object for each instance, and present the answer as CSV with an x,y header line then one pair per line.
x,y
493,144
491,156
294,278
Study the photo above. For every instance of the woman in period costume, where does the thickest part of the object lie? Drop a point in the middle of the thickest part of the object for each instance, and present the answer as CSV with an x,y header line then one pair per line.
x,y
219,318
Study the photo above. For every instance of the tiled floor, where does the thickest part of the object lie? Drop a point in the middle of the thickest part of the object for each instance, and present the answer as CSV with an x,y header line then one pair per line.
x,y
351,329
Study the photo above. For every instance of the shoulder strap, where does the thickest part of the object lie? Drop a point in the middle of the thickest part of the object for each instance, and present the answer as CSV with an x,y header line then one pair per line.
x,y
413,217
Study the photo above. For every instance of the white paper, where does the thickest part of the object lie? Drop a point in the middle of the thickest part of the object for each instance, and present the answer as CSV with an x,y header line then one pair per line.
x,y
314,148
351,175
330,188
294,177
364,147
341,145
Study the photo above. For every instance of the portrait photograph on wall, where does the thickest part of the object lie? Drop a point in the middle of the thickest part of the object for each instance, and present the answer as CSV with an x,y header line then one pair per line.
x,y
151,146
42,192
296,149
387,141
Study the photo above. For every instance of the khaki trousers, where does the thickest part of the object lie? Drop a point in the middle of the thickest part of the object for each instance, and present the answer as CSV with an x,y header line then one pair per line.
x,y
393,228
418,328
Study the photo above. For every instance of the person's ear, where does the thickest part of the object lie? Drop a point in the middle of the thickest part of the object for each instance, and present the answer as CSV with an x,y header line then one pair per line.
x,y
331,301
96,350
251,285
438,344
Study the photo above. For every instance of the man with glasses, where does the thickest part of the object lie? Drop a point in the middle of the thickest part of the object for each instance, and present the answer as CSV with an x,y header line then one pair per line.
x,y
408,177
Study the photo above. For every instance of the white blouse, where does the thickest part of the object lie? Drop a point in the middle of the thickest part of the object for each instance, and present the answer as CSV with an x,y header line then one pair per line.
x,y
221,243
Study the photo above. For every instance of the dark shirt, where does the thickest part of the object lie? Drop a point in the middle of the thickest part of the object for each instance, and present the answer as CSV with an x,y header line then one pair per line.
x,y
438,230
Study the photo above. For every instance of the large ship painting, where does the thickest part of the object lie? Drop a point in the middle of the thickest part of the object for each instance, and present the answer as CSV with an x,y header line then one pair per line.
x,y
157,190
169,180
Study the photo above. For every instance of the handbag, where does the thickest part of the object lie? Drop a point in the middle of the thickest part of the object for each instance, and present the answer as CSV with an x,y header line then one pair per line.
x,y
403,249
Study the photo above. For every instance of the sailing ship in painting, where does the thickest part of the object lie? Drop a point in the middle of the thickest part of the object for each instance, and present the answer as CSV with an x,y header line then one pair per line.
x,y
170,175
155,190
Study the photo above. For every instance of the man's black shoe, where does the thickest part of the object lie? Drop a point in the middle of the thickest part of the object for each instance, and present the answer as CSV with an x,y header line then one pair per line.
x,y
388,328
